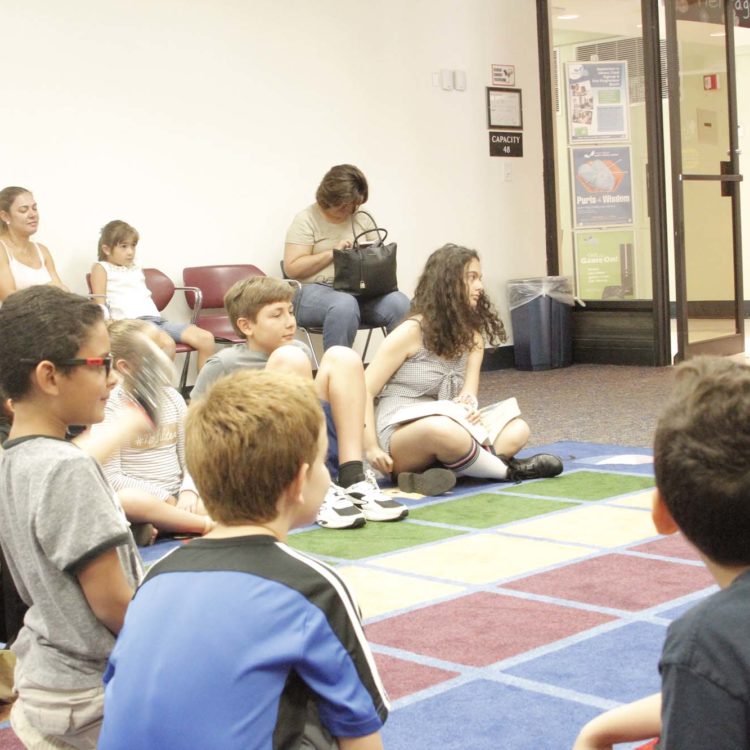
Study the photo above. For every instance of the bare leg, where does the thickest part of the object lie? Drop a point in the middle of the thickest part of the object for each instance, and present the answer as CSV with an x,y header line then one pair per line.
x,y
141,507
512,438
418,445
290,359
166,343
202,341
341,382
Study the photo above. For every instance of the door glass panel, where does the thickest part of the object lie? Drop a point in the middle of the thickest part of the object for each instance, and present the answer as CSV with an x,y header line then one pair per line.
x,y
601,148
709,261
705,143
704,94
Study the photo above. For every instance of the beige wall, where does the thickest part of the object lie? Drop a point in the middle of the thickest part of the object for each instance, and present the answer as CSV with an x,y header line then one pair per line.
x,y
208,125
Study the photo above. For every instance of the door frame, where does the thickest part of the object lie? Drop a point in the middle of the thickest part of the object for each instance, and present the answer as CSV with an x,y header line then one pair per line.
x,y
731,343
648,341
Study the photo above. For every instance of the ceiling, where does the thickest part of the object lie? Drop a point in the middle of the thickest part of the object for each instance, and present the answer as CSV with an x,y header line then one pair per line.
x,y
615,18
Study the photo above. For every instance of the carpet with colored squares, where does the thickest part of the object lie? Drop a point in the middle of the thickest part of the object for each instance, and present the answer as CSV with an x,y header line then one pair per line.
x,y
505,616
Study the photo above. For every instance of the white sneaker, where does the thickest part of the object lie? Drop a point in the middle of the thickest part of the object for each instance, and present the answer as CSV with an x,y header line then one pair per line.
x,y
373,502
338,511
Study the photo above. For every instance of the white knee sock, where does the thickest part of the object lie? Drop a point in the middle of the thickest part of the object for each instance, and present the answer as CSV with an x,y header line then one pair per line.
x,y
480,463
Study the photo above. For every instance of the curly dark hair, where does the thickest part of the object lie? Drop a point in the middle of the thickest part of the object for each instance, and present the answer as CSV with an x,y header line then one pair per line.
x,y
449,322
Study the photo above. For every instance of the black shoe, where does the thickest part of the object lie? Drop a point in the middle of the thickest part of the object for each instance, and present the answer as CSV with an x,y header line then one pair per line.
x,y
537,467
430,482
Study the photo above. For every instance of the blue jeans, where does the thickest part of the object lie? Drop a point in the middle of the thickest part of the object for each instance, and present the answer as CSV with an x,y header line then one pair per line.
x,y
339,313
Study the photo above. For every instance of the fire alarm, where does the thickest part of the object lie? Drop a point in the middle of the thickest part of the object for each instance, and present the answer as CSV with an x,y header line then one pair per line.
x,y
711,82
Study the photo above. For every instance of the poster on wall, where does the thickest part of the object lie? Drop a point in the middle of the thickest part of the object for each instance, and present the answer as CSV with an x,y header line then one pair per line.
x,y
602,187
597,101
605,264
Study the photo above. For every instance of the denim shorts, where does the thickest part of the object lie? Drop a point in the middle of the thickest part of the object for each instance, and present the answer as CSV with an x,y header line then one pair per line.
x,y
174,330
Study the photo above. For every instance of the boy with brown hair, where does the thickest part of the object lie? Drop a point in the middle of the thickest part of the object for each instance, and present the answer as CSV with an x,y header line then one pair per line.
x,y
702,467
261,311
63,533
282,660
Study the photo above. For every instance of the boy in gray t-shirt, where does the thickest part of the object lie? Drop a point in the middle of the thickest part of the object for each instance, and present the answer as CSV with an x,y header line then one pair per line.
x,y
63,533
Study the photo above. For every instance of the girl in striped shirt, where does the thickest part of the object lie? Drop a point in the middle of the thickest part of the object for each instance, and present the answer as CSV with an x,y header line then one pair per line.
x,y
148,471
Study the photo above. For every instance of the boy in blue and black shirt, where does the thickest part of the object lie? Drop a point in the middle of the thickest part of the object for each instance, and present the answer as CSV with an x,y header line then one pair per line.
x,y
277,654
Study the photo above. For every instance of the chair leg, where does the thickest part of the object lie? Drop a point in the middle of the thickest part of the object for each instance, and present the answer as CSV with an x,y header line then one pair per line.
x,y
367,341
310,344
183,377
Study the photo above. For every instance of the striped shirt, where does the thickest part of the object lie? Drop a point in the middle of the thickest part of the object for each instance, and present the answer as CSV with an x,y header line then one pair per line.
x,y
154,462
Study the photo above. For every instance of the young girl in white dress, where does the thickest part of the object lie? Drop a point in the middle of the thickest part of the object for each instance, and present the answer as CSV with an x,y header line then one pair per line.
x,y
118,278
436,354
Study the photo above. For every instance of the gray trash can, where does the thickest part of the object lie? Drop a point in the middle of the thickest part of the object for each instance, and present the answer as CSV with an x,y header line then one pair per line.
x,y
540,310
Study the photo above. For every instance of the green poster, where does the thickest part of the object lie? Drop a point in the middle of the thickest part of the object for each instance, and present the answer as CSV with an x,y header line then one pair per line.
x,y
604,264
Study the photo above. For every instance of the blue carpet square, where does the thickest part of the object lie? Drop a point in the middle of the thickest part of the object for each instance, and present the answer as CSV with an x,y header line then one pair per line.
x,y
156,551
588,455
485,715
621,664
675,612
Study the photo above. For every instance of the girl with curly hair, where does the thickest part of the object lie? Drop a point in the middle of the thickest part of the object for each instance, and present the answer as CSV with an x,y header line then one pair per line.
x,y
436,354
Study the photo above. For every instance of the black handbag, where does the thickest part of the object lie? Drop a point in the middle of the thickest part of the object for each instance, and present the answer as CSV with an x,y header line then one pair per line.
x,y
366,270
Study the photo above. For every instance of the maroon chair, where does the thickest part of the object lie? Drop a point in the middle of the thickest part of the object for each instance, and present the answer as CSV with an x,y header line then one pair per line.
x,y
213,282
162,290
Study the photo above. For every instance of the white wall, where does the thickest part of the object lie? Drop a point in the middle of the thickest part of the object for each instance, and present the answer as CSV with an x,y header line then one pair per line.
x,y
209,125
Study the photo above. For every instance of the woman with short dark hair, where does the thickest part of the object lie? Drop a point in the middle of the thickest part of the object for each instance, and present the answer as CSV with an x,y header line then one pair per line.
x,y
308,257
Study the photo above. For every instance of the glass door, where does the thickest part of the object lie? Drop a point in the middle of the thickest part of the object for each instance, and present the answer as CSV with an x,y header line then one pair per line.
x,y
705,177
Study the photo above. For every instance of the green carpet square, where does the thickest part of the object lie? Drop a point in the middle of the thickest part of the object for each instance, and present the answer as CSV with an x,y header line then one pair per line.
x,y
372,539
584,485
486,509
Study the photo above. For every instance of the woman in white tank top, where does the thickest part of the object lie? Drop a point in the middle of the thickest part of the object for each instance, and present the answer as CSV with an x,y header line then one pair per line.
x,y
23,263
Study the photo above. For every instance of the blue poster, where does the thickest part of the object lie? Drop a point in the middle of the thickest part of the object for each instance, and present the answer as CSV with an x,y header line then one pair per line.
x,y
597,101
602,186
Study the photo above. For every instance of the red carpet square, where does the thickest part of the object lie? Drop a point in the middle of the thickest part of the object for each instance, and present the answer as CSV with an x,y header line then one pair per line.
x,y
618,581
402,677
481,629
674,545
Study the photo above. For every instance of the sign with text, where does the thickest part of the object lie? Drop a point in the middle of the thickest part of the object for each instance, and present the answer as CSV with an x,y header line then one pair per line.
x,y
604,264
506,144
712,11
602,188
597,101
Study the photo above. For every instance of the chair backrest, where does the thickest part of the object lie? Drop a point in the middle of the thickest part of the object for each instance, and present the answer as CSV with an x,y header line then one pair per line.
x,y
214,281
160,286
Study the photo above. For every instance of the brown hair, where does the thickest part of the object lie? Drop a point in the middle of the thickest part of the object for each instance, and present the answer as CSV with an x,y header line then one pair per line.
x,y
702,457
246,439
7,196
246,298
342,185
113,233
449,322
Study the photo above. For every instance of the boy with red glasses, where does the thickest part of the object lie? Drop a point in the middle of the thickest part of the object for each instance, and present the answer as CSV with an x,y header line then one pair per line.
x,y
63,533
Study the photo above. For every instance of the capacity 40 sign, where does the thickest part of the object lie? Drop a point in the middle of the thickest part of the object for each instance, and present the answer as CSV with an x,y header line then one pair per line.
x,y
506,144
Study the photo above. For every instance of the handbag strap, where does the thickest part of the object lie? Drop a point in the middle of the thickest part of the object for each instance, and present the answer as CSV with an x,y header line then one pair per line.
x,y
382,233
